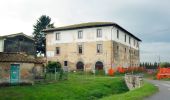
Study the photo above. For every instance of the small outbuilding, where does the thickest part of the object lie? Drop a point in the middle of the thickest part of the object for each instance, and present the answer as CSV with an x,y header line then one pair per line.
x,y
19,67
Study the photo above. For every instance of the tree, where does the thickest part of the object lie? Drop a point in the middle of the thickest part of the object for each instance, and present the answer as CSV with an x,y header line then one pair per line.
x,y
40,42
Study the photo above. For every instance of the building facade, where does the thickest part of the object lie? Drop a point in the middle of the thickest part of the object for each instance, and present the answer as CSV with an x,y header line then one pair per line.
x,y
91,46
17,43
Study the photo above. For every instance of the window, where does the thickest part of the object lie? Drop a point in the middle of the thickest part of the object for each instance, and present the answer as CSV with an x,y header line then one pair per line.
x,y
99,48
134,42
80,49
125,37
117,48
57,36
137,45
65,63
129,39
57,50
118,34
125,50
99,33
80,34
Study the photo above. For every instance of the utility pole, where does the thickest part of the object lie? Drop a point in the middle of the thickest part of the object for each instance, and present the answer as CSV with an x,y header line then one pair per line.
x,y
159,60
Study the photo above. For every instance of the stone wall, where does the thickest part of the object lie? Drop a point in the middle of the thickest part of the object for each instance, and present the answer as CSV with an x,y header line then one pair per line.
x,y
113,54
133,81
69,52
125,56
25,72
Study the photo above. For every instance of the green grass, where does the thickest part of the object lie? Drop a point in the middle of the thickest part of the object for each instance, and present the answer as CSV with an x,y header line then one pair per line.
x,y
77,87
136,94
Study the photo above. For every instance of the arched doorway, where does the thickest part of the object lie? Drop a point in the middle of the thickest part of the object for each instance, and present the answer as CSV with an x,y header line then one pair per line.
x,y
80,66
99,65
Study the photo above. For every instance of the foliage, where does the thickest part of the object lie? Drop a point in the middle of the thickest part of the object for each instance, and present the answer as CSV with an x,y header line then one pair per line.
x,y
137,94
99,72
77,87
52,65
164,64
149,65
42,23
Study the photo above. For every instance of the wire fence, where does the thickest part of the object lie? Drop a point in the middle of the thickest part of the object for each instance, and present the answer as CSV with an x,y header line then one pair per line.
x,y
50,75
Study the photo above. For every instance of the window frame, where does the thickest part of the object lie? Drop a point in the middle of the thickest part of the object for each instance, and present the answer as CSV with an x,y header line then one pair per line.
x,y
99,33
99,48
80,34
78,48
117,34
57,51
57,36
129,40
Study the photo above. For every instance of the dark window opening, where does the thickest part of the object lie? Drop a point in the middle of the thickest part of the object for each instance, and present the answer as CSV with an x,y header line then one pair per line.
x,y
99,48
118,34
80,49
57,50
65,63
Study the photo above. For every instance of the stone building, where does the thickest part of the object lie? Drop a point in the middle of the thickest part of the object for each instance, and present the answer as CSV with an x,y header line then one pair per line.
x,y
17,43
19,68
91,46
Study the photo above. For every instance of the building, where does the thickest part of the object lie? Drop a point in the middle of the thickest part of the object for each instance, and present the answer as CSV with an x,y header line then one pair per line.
x,y
17,43
91,46
19,68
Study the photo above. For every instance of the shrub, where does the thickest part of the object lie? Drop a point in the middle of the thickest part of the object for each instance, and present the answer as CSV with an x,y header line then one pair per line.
x,y
52,65
164,65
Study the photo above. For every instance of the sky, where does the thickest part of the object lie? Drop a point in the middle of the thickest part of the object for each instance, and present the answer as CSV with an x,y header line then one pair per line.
x,y
147,19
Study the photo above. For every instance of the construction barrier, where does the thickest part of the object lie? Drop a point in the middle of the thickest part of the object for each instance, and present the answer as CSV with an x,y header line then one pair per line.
x,y
163,73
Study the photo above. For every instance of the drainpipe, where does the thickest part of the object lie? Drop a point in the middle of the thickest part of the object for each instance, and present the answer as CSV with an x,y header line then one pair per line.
x,y
111,46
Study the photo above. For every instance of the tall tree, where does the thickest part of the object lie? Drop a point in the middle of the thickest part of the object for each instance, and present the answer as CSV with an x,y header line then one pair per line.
x,y
40,42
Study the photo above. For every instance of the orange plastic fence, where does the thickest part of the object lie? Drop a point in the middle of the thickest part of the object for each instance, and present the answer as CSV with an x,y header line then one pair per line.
x,y
111,72
163,73
121,70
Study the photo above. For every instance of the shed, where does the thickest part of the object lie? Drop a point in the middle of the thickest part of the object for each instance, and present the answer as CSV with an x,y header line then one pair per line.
x,y
19,67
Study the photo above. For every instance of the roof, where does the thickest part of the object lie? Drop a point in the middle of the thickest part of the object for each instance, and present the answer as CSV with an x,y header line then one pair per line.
x,y
19,57
89,25
16,34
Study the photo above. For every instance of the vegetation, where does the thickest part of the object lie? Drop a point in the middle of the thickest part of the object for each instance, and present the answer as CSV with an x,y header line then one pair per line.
x,y
150,65
137,94
42,23
52,66
77,87
165,65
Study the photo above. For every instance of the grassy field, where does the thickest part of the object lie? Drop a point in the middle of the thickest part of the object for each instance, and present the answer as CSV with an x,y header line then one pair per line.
x,y
77,87
137,94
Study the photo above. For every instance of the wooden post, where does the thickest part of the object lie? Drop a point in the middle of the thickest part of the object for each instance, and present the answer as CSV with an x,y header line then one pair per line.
x,y
55,73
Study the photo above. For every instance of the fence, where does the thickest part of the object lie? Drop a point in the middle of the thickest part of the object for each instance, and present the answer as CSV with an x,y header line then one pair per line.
x,y
51,74
163,73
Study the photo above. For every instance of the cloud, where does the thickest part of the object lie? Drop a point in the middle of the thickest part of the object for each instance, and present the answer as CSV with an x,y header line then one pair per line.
x,y
150,52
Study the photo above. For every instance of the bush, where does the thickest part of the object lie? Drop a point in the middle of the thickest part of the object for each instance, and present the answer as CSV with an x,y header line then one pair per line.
x,y
164,65
52,65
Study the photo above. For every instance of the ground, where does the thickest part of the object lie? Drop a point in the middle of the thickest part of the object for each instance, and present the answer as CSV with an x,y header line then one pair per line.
x,y
77,87
164,90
